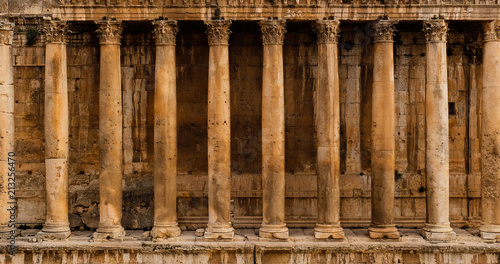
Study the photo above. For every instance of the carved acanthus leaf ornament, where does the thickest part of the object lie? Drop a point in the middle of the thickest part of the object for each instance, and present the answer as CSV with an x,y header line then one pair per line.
x,y
165,31
218,32
491,31
435,30
327,30
55,31
384,31
273,31
6,32
109,31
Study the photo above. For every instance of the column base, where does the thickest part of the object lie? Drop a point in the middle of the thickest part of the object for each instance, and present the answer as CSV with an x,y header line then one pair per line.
x,y
328,231
490,233
383,231
4,229
7,233
213,231
273,231
165,230
42,235
438,233
109,232
54,232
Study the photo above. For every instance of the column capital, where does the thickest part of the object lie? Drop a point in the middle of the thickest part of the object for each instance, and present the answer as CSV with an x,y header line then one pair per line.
x,y
327,30
54,31
109,31
475,52
384,31
218,32
491,30
273,31
6,32
164,32
435,30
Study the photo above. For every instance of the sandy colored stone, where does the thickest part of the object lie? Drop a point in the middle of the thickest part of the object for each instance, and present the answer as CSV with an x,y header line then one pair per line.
x,y
437,226
383,134
273,132
490,128
7,126
110,133
165,158
219,132
328,132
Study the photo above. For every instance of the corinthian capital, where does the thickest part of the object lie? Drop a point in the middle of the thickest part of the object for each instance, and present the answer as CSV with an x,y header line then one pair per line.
x,y
218,32
435,30
55,31
109,31
165,31
273,31
327,30
384,31
6,32
491,30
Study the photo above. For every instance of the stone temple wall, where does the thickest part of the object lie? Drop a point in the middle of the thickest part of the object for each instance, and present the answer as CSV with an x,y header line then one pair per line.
x,y
300,72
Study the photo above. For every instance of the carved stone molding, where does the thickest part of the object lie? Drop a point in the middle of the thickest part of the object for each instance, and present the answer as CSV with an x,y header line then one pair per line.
x,y
435,30
218,32
164,32
6,33
384,31
273,31
327,30
491,30
109,31
54,31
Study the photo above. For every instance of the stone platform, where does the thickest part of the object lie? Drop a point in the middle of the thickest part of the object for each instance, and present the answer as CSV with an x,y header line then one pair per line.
x,y
247,247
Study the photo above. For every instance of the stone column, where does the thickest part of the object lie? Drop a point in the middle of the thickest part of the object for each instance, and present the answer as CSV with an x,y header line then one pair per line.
x,y
56,132
437,227
219,132
7,140
165,148
328,131
383,133
273,131
490,134
110,132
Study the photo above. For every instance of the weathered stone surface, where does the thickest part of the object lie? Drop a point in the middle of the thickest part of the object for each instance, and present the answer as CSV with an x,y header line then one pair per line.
x,y
248,248
328,131
490,127
110,133
245,54
302,60
383,133
7,125
273,132
165,156
219,132
437,164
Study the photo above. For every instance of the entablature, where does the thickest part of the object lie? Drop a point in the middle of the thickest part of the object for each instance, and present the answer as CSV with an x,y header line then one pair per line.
x,y
253,10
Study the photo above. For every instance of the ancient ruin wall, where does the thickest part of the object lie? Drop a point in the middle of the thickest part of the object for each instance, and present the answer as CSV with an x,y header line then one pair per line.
x,y
300,69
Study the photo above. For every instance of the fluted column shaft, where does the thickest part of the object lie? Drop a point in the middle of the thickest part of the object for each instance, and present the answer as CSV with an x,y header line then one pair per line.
x,y
490,129
219,132
56,131
383,133
273,131
7,140
165,148
437,169
110,132
328,131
